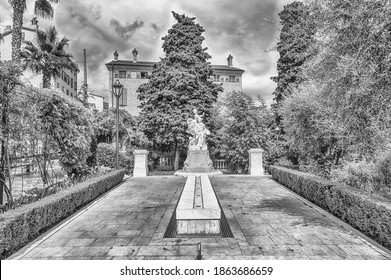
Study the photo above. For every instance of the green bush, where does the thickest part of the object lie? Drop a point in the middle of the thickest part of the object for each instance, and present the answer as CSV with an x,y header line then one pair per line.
x,y
382,175
356,174
369,213
91,159
23,224
372,177
106,155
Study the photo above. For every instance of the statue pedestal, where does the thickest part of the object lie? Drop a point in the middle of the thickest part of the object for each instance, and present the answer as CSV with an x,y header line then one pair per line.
x,y
198,162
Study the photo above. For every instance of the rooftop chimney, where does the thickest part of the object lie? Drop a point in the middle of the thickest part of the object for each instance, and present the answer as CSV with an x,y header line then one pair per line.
x,y
115,55
134,53
230,57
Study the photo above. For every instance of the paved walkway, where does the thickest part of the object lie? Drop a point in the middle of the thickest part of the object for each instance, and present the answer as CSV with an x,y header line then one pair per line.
x,y
267,221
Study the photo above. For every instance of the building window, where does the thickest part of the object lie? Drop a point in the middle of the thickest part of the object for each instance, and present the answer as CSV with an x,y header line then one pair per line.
x,y
58,85
63,89
144,75
237,79
67,92
116,74
122,74
231,79
71,83
75,85
138,75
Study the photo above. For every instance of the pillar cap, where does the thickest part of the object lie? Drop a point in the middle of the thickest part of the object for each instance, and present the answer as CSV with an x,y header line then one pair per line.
x,y
140,152
258,150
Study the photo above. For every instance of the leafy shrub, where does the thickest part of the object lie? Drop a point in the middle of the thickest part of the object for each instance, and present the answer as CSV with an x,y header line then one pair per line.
x,y
382,174
106,156
356,174
245,128
68,126
91,160
372,177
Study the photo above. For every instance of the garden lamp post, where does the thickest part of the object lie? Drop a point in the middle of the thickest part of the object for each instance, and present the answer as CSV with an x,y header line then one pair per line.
x,y
117,91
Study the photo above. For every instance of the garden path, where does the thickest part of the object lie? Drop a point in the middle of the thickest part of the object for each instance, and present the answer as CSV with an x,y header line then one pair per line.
x,y
267,220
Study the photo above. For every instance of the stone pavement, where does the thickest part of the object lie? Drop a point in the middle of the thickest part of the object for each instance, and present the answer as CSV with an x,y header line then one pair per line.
x,y
267,221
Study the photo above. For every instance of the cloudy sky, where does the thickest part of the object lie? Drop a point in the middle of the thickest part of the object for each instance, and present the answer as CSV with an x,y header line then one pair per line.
x,y
231,27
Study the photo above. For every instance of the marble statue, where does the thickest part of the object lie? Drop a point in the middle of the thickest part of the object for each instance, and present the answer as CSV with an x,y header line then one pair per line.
x,y
198,159
198,132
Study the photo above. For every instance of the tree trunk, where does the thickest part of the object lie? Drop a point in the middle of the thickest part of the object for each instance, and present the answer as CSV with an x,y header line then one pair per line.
x,y
176,160
45,80
45,155
17,23
2,171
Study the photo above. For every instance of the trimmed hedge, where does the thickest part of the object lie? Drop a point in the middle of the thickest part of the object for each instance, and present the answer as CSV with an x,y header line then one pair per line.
x,y
106,155
23,224
370,214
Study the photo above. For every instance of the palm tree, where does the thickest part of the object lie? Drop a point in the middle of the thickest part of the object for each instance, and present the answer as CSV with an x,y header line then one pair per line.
x,y
42,8
47,55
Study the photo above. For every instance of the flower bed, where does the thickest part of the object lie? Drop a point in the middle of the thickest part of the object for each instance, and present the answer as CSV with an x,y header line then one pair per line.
x,y
23,224
370,214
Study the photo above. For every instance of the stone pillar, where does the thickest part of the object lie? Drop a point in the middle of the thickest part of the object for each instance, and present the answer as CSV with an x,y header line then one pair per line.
x,y
140,163
256,165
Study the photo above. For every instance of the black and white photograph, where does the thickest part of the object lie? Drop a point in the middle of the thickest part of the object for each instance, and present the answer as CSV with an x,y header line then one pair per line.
x,y
182,139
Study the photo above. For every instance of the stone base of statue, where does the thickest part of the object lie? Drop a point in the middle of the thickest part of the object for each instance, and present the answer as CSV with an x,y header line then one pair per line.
x,y
198,162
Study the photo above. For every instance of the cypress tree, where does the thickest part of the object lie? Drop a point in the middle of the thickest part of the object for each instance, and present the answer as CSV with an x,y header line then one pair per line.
x,y
179,83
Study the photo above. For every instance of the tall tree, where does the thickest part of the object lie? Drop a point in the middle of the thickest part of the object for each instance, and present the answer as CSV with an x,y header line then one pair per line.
x,y
246,127
343,111
42,8
47,55
9,73
294,47
179,83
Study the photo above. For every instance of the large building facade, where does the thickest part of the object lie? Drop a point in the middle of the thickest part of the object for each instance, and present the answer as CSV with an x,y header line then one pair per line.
x,y
133,73
66,82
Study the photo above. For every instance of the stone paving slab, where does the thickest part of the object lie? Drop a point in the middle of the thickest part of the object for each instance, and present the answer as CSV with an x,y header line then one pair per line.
x,y
268,222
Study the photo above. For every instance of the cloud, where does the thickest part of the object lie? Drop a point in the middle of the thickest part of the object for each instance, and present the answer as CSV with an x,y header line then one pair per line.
x,y
230,26
126,31
236,27
96,11
155,27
